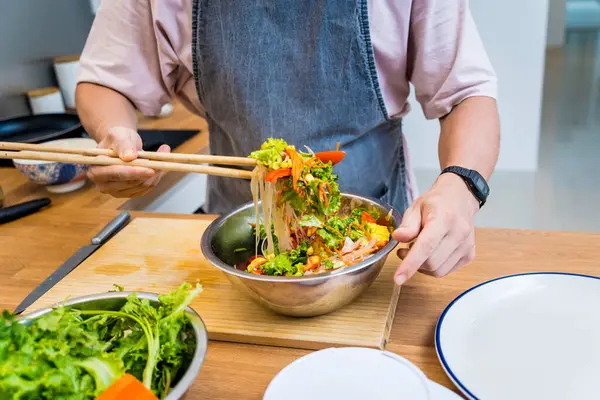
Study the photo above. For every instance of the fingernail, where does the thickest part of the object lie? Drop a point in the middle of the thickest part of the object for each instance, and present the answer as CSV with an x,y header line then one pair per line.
x,y
400,279
128,152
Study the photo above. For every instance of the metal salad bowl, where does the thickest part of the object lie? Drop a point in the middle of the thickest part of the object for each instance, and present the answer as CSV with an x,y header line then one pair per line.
x,y
229,241
116,300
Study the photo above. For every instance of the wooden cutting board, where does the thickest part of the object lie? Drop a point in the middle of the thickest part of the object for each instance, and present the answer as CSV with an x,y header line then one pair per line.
x,y
158,254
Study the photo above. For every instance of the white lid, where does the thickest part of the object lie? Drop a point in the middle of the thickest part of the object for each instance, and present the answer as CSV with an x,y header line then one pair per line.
x,y
349,373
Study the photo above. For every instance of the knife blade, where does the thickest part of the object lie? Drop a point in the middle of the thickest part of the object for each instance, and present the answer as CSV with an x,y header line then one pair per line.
x,y
76,259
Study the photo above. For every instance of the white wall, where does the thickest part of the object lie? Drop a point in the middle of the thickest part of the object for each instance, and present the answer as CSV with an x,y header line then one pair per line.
x,y
557,16
514,32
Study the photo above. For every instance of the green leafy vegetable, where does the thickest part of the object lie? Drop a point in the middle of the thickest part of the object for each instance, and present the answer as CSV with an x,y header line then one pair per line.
x,y
71,354
355,233
280,265
325,173
341,225
331,239
328,264
299,254
310,220
335,200
336,229
104,369
357,214
288,263
292,198
269,154
263,236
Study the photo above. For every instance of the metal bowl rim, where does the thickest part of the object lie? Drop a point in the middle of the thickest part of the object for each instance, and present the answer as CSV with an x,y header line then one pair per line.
x,y
210,231
198,325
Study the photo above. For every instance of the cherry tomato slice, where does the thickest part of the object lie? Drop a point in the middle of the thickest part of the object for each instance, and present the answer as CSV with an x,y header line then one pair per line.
x,y
333,156
272,176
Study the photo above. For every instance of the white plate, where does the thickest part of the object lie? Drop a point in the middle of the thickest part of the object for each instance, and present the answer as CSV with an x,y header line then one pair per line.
x,y
528,336
354,373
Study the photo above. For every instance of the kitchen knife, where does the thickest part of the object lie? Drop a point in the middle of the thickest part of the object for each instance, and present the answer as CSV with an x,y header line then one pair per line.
x,y
83,253
8,214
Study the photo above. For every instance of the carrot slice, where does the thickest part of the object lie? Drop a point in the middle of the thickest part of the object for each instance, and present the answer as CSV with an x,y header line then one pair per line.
x,y
366,217
272,176
323,195
333,156
127,387
297,167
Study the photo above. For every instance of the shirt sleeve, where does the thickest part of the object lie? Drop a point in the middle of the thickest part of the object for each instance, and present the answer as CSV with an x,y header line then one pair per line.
x,y
447,62
122,53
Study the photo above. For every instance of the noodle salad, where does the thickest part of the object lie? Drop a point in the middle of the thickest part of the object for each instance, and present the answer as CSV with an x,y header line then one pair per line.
x,y
300,202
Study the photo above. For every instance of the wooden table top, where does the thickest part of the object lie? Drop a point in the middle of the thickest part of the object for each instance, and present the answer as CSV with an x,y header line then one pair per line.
x,y
33,247
18,189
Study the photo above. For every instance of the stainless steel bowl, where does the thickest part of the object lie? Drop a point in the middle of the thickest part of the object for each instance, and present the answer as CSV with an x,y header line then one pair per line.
x,y
114,301
229,241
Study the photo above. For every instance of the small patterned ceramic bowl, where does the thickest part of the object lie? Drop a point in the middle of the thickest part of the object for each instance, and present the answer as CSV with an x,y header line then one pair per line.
x,y
57,177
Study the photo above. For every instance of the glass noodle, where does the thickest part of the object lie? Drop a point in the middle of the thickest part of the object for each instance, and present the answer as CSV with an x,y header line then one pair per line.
x,y
266,193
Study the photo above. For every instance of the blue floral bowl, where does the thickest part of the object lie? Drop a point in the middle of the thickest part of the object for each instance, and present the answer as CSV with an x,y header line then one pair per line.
x,y
57,177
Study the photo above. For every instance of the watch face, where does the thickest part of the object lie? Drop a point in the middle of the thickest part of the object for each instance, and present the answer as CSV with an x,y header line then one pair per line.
x,y
481,185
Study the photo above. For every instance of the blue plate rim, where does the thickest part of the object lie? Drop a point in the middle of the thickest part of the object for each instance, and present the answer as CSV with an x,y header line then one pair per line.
x,y
438,328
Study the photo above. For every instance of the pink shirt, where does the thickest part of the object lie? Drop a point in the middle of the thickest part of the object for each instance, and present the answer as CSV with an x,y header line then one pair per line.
x,y
143,49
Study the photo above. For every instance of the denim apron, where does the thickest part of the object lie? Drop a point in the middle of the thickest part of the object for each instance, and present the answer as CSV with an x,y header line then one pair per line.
x,y
301,70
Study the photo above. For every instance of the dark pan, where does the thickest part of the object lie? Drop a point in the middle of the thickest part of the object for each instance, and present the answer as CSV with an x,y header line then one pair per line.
x,y
40,128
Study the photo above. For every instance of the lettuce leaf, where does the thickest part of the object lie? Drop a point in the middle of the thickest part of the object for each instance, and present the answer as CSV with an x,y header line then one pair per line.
x,y
299,254
330,238
310,220
279,266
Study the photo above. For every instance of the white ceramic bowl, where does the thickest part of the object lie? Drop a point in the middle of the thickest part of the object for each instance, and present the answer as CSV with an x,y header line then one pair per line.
x,y
57,177
354,373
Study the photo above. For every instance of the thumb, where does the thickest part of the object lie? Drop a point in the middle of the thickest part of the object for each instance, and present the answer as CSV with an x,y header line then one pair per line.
x,y
411,225
126,143
164,149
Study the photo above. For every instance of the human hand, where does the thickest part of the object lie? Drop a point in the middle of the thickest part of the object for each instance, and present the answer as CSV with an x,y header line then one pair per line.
x,y
441,221
125,181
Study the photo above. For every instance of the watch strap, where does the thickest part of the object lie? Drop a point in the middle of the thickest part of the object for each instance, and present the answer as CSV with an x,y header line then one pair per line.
x,y
474,181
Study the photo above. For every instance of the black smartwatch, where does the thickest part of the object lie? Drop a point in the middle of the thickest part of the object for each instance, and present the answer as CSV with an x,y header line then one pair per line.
x,y
475,182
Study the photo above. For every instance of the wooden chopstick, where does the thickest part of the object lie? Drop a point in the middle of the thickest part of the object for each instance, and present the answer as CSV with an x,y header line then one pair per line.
x,y
95,160
149,155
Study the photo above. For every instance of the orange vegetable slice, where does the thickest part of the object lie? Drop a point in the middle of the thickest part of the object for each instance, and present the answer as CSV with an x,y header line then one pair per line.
x,y
333,156
366,217
272,176
127,387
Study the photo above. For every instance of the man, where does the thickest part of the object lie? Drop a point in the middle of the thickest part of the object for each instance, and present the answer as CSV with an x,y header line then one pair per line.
x,y
313,72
